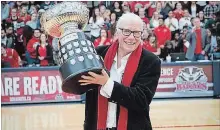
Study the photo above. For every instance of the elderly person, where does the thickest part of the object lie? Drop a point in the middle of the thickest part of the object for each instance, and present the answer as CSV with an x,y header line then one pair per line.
x,y
123,98
198,48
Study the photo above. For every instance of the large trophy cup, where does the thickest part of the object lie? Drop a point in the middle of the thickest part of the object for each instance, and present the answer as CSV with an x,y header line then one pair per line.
x,y
77,54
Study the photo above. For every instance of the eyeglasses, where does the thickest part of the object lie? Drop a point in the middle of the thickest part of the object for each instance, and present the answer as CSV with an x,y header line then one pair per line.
x,y
128,32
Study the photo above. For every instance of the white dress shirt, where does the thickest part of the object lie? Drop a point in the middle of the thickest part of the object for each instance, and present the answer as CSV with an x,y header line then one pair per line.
x,y
174,22
185,21
106,90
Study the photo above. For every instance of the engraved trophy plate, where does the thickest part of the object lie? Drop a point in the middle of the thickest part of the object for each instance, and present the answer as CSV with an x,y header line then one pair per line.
x,y
77,54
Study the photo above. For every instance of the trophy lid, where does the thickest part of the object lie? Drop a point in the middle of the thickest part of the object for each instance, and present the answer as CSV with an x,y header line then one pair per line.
x,y
73,12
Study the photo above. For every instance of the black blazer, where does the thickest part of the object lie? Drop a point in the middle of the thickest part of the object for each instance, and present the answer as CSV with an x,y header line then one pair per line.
x,y
135,98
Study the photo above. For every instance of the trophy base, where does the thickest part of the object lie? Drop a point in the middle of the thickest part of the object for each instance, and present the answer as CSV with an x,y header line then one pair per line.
x,y
71,84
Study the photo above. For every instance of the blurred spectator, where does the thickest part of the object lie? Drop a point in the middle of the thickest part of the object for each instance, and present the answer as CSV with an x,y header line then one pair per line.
x,y
177,43
96,23
141,13
44,51
31,54
10,56
168,48
151,8
160,10
212,40
185,4
186,20
168,6
117,9
178,12
198,48
24,14
162,33
125,7
103,39
210,9
102,10
151,45
112,24
172,23
154,22
210,23
193,8
46,5
136,5
8,42
33,23
202,18
4,10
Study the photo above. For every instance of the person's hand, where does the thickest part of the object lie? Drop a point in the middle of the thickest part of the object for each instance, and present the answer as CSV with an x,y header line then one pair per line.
x,y
162,46
41,57
94,78
203,52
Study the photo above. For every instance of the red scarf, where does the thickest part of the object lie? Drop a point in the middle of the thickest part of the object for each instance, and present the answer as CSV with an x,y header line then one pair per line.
x,y
132,62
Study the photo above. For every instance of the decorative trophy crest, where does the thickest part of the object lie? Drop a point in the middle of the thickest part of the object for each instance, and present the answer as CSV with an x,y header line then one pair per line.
x,y
77,54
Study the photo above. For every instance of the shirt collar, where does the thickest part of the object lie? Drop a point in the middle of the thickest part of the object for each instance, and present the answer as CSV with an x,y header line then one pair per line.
x,y
125,58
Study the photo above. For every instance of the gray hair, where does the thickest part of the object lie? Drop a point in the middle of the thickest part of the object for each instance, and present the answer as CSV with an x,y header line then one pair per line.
x,y
129,17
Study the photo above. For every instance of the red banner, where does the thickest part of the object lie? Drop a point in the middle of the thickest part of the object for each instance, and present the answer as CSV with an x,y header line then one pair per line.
x,y
185,81
45,85
33,86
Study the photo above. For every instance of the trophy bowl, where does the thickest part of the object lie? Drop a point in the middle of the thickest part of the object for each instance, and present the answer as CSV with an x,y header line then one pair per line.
x,y
77,55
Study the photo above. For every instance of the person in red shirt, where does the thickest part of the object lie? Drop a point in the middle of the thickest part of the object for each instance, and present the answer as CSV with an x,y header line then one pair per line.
x,y
10,56
162,33
31,55
103,39
24,14
198,47
143,17
44,51
178,13
151,45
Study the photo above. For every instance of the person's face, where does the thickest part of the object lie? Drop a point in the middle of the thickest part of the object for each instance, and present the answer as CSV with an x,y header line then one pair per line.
x,y
193,2
43,38
3,50
177,36
33,17
141,11
158,5
9,30
208,32
160,22
3,34
145,34
116,4
103,33
18,3
97,12
36,33
201,14
129,43
170,14
102,9
113,16
24,10
152,39
197,22
179,6
156,15
14,12
186,13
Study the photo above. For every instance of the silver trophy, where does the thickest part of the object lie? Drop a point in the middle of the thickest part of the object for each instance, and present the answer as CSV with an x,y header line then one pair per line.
x,y
77,54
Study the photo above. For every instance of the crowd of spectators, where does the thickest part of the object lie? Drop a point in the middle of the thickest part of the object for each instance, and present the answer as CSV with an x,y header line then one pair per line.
x,y
188,27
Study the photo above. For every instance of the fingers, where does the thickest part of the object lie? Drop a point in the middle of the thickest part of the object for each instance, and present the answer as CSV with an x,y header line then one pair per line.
x,y
83,84
87,77
104,72
93,74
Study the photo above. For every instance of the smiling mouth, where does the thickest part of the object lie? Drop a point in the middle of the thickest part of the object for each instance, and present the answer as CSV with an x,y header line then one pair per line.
x,y
129,43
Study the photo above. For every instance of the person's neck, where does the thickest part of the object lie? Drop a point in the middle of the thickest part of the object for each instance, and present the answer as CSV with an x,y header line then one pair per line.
x,y
170,17
121,53
198,27
141,16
